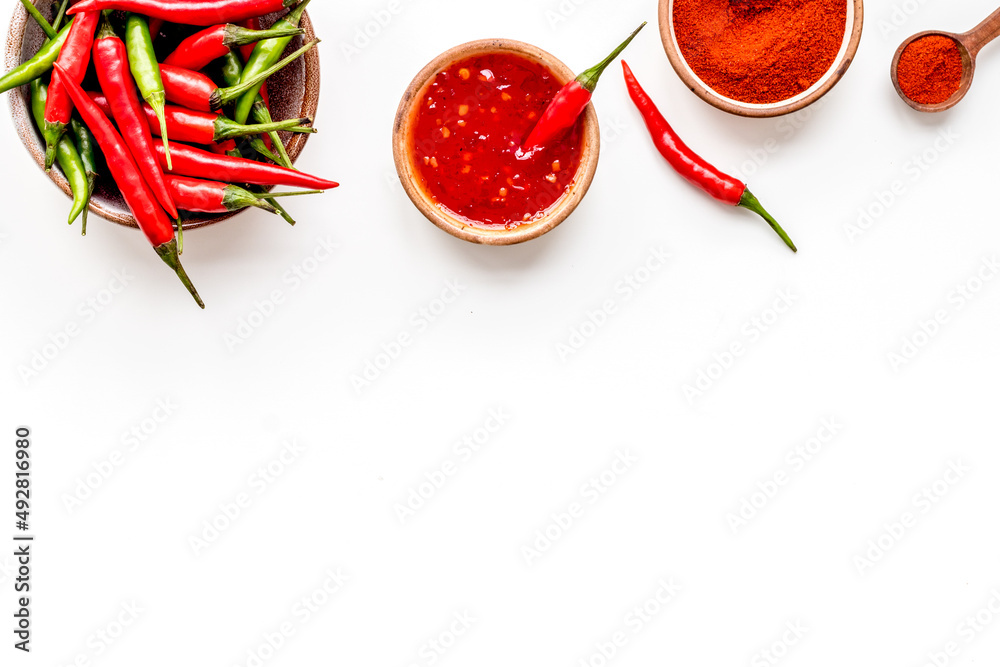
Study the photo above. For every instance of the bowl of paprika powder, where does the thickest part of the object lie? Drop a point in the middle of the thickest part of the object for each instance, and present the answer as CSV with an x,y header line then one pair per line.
x,y
761,58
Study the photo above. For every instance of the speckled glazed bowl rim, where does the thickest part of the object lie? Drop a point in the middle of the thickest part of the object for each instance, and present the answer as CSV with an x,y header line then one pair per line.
x,y
444,218
848,49
32,141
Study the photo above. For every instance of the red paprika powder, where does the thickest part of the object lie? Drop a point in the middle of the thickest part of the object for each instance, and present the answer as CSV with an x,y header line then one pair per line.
x,y
760,51
930,69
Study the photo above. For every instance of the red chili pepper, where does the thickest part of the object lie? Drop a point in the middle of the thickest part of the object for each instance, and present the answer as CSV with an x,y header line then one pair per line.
x,y
155,25
201,196
203,47
111,64
202,127
190,161
571,100
194,90
691,166
222,147
189,12
73,58
151,219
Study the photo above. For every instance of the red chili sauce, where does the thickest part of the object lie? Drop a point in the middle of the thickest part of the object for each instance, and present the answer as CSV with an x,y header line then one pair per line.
x,y
467,138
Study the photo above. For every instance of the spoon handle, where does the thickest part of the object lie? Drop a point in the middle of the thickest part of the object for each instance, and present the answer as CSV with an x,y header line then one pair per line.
x,y
982,34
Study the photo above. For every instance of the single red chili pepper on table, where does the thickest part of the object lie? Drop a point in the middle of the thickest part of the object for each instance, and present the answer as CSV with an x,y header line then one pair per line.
x,y
203,127
691,166
73,58
153,222
204,196
203,47
194,90
111,64
190,161
571,100
189,12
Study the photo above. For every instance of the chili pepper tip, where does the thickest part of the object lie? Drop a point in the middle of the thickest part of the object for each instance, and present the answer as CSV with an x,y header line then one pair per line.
x,y
750,203
158,105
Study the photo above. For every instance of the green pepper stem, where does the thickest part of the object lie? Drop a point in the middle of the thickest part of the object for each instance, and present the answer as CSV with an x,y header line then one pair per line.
x,y
589,78
223,96
104,28
60,15
263,115
750,203
272,195
168,253
228,129
276,204
239,36
293,17
258,145
282,212
235,198
53,133
46,27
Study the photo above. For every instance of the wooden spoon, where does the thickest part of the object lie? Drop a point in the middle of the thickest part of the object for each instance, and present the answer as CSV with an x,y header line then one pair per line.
x,y
969,44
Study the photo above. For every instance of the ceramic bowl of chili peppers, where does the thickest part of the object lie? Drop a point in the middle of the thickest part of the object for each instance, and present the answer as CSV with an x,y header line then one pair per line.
x,y
764,59
496,90
293,94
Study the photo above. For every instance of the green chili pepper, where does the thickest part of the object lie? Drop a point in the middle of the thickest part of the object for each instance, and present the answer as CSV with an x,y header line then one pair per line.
x,y
37,65
49,31
146,71
265,54
86,146
232,72
60,15
66,154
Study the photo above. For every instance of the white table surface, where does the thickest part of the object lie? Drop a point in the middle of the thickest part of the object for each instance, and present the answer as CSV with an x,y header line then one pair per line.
x,y
662,526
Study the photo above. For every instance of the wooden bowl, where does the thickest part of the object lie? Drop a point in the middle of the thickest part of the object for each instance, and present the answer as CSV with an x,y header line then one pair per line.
x,y
294,93
852,37
444,218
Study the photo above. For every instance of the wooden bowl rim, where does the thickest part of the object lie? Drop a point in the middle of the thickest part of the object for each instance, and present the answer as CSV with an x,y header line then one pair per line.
x,y
26,131
402,127
836,72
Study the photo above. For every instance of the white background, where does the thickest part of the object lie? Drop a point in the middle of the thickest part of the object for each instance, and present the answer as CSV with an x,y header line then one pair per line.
x,y
857,298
